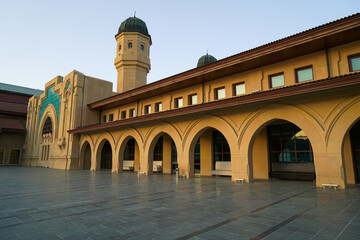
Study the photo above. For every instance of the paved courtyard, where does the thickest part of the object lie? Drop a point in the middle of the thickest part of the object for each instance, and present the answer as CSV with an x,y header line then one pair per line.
x,y
38,203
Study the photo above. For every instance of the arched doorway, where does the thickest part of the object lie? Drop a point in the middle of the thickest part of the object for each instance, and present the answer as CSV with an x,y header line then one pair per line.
x,y
282,150
130,157
106,156
164,155
211,155
46,139
355,150
85,157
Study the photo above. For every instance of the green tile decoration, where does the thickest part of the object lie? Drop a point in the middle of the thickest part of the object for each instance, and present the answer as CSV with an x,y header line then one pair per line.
x,y
51,98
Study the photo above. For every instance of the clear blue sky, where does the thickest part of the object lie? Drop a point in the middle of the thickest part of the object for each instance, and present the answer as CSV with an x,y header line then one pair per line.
x,y
41,39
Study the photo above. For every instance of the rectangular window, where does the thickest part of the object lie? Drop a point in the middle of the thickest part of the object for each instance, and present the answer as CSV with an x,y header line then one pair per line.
x,y
276,80
192,99
304,74
178,102
14,156
158,107
104,118
123,114
1,156
238,89
111,117
132,112
354,63
219,93
147,109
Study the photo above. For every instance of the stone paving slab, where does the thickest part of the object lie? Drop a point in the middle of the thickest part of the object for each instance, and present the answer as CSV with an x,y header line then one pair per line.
x,y
40,203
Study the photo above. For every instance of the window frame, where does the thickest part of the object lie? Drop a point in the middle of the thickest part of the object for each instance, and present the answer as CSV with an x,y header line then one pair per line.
x,y
300,69
123,114
9,155
130,45
350,57
275,75
234,88
190,101
147,109
142,47
104,118
176,102
157,109
111,117
131,112
216,94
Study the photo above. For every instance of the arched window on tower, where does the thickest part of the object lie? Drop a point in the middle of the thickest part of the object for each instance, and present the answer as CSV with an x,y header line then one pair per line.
x,y
130,45
142,47
46,133
119,47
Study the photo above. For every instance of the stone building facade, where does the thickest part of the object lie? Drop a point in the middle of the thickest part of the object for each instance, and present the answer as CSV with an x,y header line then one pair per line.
x,y
288,109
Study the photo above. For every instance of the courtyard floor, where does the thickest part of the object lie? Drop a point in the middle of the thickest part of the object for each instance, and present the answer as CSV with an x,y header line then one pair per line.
x,y
39,203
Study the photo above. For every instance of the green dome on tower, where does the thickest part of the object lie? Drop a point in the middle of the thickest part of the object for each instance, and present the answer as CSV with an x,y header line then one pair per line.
x,y
206,59
133,24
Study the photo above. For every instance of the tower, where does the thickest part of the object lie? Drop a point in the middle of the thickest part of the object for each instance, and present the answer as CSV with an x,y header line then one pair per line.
x,y
132,60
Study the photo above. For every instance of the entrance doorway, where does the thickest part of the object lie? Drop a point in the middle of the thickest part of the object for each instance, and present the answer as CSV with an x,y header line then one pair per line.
x,y
355,144
106,156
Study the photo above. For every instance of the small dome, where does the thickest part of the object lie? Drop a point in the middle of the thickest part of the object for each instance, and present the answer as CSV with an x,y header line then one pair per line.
x,y
133,24
206,59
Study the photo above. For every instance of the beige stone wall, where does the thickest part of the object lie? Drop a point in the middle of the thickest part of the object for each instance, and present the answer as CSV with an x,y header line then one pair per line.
x,y
60,150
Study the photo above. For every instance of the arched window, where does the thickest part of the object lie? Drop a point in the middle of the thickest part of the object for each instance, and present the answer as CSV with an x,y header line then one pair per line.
x,y
142,47
130,45
119,47
47,126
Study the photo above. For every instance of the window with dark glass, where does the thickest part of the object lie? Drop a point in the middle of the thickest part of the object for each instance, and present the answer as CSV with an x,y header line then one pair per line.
x,y
219,93
238,89
142,47
174,163
14,156
47,126
123,114
132,112
221,147
158,107
197,157
178,102
354,63
276,80
104,118
304,74
147,109
111,117
288,143
158,150
119,47
192,99
1,156
130,45
129,152
106,156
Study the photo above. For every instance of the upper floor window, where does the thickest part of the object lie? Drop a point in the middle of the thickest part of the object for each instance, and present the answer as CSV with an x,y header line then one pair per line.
x,y
111,117
219,93
147,109
304,74
142,47
132,112
119,47
130,45
104,118
238,89
178,102
123,114
192,99
158,107
276,80
354,63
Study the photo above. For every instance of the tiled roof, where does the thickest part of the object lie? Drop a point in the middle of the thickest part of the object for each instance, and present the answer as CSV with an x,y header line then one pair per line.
x,y
11,125
19,90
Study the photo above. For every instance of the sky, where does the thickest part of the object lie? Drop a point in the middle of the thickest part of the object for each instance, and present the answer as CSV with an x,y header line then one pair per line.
x,y
41,39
